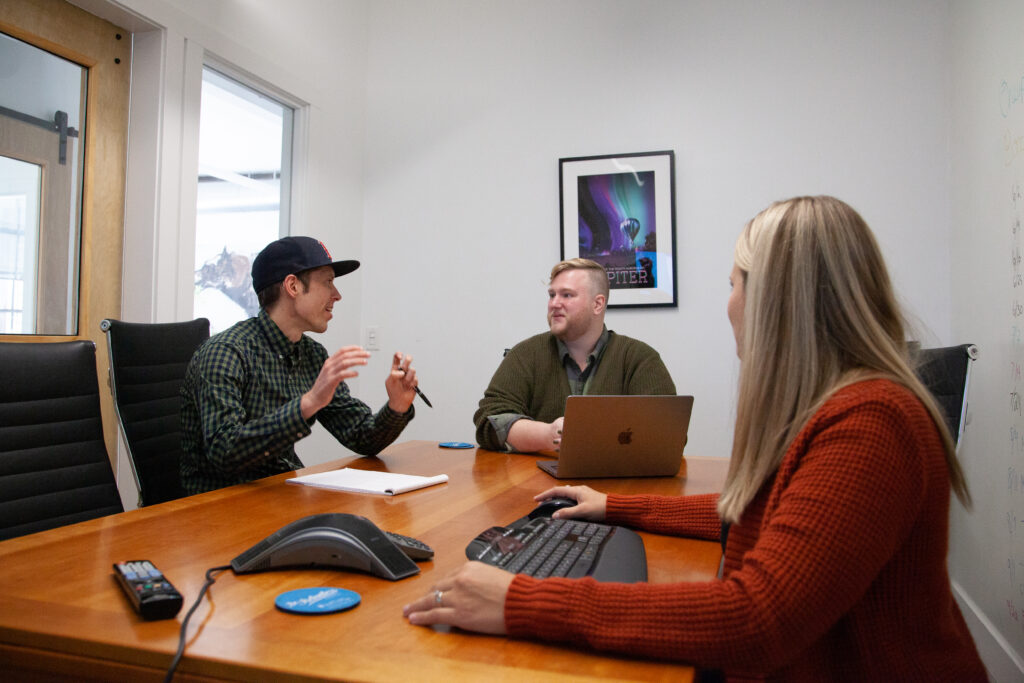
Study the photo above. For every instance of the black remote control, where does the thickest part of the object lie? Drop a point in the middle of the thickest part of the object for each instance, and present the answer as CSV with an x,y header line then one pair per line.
x,y
415,549
152,596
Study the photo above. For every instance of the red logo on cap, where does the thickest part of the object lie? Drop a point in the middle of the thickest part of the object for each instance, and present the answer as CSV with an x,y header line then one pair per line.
x,y
322,246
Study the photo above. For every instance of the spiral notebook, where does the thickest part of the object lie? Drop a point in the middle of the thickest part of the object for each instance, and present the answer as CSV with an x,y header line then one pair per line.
x,y
365,481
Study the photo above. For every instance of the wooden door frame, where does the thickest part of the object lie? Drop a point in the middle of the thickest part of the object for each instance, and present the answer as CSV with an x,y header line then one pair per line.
x,y
105,50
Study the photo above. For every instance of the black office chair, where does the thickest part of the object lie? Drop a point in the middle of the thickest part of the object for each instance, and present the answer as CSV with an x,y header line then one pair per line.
x,y
147,368
54,468
946,372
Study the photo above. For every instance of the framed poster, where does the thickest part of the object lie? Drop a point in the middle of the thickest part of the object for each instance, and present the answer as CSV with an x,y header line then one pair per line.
x,y
620,210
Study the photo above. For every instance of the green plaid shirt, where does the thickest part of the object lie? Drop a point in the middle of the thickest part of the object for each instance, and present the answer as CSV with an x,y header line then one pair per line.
x,y
240,413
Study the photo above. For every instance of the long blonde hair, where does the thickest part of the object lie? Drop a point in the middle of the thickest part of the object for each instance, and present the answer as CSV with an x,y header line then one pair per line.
x,y
819,315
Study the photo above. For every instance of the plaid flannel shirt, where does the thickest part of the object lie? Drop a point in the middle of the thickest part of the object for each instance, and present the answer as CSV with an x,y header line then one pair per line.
x,y
240,413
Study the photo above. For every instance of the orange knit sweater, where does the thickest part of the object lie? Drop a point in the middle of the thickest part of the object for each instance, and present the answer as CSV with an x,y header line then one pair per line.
x,y
836,571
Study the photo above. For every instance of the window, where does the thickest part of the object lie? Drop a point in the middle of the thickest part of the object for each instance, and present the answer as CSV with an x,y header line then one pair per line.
x,y
245,142
19,206
42,105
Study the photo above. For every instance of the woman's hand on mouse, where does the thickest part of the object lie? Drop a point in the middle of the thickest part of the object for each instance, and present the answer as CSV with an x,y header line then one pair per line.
x,y
590,504
473,598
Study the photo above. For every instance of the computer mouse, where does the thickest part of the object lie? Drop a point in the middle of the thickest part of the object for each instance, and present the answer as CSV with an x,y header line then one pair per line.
x,y
547,508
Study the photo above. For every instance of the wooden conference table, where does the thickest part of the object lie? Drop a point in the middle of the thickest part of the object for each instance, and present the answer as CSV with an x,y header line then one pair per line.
x,y
61,612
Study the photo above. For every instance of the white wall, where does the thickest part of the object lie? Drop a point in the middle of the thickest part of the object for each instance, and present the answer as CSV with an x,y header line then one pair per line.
x,y
987,554
435,129
470,105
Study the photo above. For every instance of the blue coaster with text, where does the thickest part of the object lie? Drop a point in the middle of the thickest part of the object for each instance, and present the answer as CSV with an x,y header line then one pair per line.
x,y
455,444
323,600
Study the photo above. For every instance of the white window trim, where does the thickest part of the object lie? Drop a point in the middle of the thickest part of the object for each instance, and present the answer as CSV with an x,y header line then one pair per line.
x,y
160,215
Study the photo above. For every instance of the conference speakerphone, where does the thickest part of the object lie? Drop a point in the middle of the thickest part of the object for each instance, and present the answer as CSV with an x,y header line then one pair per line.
x,y
335,540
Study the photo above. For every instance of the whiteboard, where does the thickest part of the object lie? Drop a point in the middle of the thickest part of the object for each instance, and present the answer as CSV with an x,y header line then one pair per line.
x,y
987,147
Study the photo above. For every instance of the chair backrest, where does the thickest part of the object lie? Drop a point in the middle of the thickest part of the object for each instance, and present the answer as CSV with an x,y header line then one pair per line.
x,y
54,468
946,372
147,368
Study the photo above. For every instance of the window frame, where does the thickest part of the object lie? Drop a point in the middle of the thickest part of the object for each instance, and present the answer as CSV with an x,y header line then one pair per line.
x,y
196,58
225,78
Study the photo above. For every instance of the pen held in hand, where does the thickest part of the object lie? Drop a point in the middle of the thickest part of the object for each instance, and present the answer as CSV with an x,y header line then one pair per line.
x,y
420,393
425,399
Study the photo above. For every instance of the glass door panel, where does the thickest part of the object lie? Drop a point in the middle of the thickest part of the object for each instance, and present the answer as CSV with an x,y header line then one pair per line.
x,y
20,198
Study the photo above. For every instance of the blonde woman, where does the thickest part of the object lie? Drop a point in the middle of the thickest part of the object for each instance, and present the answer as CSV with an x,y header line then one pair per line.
x,y
837,494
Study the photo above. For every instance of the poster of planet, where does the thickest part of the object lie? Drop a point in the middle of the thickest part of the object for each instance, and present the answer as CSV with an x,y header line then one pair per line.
x,y
619,211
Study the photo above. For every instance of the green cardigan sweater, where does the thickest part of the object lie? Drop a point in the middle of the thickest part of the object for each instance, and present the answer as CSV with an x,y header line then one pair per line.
x,y
532,381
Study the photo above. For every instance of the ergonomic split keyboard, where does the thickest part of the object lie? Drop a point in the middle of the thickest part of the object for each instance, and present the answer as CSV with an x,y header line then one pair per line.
x,y
544,547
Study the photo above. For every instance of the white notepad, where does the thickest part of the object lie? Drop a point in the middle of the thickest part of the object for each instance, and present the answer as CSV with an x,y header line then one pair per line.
x,y
363,481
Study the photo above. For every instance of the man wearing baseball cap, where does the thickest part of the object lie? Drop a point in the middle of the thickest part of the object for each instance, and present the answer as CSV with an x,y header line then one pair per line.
x,y
253,390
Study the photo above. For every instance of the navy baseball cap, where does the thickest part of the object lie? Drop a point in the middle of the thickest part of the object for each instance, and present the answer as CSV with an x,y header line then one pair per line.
x,y
290,255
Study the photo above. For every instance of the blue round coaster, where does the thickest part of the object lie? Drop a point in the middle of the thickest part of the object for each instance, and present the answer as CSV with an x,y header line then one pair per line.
x,y
323,600
455,444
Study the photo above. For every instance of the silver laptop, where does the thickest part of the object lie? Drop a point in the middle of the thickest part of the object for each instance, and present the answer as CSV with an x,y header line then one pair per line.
x,y
621,436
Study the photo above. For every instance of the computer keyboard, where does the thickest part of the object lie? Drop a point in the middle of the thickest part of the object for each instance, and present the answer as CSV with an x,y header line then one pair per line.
x,y
544,547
